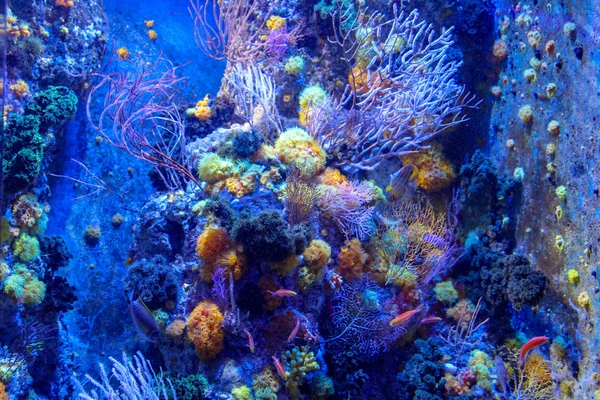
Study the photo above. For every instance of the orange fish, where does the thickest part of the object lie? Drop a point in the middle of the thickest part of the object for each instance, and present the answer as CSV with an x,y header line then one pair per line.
x,y
279,367
283,293
294,331
430,320
405,316
250,340
532,344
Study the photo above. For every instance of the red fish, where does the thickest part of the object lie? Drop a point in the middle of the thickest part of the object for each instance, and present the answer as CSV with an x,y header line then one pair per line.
x,y
282,293
250,340
532,344
405,316
294,331
279,367
430,320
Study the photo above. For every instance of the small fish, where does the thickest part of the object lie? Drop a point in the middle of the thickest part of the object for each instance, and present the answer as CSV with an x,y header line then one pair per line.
x,y
295,330
532,344
400,181
143,319
405,316
430,320
282,293
279,367
501,374
250,340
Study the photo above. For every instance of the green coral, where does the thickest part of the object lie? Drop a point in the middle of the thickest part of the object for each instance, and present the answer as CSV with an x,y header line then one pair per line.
x,y
23,152
26,247
321,387
53,106
241,393
24,143
294,65
13,286
480,365
445,292
191,387
298,362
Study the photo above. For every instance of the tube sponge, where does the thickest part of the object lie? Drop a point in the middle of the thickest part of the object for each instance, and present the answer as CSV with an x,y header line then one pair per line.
x,y
205,330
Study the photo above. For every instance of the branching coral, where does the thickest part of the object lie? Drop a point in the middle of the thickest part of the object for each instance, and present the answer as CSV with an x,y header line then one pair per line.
x,y
414,238
350,207
299,362
300,197
362,312
413,98
205,331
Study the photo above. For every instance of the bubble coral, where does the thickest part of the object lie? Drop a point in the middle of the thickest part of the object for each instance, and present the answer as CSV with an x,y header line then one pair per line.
x,y
205,331
351,260
295,148
435,171
26,247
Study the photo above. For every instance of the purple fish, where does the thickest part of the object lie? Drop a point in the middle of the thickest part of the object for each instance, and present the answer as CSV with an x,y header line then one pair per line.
x,y
143,319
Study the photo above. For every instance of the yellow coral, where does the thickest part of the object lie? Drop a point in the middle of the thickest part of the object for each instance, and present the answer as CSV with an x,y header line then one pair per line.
x,y
33,292
332,177
202,110
20,88
275,23
295,148
317,254
212,168
435,171
241,393
352,260
573,276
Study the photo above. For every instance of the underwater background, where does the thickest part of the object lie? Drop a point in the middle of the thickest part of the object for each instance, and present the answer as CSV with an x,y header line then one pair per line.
x,y
299,199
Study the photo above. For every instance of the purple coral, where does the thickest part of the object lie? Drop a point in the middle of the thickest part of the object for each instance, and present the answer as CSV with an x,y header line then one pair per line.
x,y
362,312
349,206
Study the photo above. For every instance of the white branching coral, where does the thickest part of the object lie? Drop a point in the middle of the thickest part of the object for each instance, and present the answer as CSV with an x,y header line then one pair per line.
x,y
401,90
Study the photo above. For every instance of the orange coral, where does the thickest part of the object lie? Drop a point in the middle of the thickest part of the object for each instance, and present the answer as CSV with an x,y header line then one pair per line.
x,y
361,80
205,330
317,254
64,3
462,312
351,260
241,186
20,88
212,243
234,262
152,34
3,394
436,172
332,177
123,53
